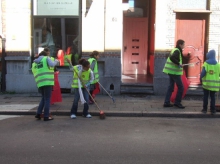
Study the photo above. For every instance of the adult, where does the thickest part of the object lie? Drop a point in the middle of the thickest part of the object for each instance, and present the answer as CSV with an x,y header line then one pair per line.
x,y
43,71
174,68
49,43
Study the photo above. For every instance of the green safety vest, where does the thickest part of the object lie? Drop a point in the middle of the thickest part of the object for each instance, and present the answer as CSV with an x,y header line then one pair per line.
x,y
211,80
95,71
170,67
69,56
85,76
42,73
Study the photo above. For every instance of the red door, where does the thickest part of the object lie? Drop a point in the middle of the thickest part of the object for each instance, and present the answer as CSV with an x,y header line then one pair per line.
x,y
191,28
135,45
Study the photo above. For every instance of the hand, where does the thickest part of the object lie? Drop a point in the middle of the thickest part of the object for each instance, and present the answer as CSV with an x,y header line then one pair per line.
x,y
87,84
180,66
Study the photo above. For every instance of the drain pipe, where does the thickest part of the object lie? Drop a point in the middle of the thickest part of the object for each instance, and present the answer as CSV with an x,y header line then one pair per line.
x,y
3,62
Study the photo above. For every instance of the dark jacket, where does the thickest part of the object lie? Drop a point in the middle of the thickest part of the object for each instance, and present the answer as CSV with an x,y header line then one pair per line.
x,y
175,58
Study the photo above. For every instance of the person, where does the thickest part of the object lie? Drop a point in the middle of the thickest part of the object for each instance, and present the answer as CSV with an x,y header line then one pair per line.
x,y
83,72
49,43
43,72
174,68
209,78
94,87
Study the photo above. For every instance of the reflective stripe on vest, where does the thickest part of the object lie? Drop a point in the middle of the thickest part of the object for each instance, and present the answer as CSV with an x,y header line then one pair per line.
x,y
95,71
85,76
42,74
170,67
211,80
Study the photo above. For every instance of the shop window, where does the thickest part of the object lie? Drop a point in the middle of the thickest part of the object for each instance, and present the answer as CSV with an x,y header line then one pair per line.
x,y
60,35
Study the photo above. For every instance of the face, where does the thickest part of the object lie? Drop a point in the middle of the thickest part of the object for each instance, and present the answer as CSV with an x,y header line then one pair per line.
x,y
86,68
97,57
182,45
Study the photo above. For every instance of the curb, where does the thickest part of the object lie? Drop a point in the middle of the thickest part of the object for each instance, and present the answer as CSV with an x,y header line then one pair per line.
x,y
125,114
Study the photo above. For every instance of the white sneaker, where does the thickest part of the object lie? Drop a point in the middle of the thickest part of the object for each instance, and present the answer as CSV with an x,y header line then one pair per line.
x,y
73,116
88,116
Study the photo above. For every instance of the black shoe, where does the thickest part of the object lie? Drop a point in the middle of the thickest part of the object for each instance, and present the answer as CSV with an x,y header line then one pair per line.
x,y
179,106
213,112
167,105
38,116
48,118
204,111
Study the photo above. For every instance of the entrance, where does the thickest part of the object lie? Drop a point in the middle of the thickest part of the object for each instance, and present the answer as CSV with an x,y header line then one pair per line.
x,y
191,27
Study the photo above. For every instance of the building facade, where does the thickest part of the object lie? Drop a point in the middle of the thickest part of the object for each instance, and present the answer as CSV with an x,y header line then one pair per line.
x,y
134,38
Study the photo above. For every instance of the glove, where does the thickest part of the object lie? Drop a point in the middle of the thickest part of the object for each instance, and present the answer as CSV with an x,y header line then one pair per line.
x,y
180,66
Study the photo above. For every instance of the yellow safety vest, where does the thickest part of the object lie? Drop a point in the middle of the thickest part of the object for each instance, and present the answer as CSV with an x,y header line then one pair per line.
x,y
85,76
95,71
211,80
42,73
170,67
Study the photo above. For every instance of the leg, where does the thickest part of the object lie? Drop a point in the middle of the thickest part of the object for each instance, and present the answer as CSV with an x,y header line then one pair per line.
x,y
41,104
86,106
205,99
47,96
212,103
178,81
75,102
169,90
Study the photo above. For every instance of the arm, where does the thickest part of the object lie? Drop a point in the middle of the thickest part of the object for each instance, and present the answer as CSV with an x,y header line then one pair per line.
x,y
52,63
175,58
92,66
91,77
46,43
203,73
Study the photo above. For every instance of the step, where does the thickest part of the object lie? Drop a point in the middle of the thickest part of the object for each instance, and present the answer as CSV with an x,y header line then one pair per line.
x,y
137,88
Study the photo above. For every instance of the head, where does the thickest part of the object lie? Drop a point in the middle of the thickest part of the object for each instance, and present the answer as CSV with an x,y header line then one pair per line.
x,y
47,50
46,30
85,64
94,54
42,53
211,54
180,44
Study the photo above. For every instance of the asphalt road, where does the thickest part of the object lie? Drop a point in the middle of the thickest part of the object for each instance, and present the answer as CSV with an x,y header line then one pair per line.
x,y
115,140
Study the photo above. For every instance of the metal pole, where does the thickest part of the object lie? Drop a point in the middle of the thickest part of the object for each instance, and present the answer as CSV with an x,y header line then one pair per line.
x,y
3,80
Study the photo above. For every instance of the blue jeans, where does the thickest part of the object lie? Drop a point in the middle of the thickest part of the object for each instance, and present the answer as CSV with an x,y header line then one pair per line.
x,y
206,97
45,100
76,101
174,79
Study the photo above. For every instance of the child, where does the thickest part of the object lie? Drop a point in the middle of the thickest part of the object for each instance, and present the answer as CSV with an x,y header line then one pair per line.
x,y
81,89
94,88
210,81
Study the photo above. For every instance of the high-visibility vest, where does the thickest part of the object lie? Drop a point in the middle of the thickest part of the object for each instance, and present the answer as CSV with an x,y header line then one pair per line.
x,y
85,76
95,71
170,67
69,56
211,80
42,73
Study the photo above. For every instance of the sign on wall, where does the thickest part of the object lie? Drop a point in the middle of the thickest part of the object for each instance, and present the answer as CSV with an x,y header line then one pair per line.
x,y
56,7
192,4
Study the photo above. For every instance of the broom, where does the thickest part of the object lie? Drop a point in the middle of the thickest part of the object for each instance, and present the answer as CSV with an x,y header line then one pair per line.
x,y
107,93
101,113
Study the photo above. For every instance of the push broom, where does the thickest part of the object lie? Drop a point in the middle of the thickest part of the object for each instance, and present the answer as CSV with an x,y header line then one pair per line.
x,y
101,113
107,93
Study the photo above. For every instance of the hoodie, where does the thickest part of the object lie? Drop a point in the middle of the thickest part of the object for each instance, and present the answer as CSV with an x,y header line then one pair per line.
x,y
210,60
49,61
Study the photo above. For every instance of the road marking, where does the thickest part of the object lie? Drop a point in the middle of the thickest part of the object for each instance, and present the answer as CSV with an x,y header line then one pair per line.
x,y
17,107
3,117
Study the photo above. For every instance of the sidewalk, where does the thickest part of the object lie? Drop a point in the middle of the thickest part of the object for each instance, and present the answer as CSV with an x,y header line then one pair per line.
x,y
124,106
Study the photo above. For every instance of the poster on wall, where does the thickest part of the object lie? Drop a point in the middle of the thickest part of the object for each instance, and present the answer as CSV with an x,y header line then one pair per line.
x,y
56,7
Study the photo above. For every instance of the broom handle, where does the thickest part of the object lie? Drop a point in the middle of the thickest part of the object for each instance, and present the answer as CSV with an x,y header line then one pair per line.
x,y
86,89
106,91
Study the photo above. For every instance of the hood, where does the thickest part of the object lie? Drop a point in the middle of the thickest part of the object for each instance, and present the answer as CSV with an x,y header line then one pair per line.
x,y
211,57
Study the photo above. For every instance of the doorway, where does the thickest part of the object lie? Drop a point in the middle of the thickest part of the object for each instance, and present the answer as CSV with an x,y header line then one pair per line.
x,y
192,28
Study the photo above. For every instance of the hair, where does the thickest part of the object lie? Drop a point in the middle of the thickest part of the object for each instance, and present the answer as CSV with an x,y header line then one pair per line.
x,y
42,53
178,42
46,49
94,53
84,62
47,29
